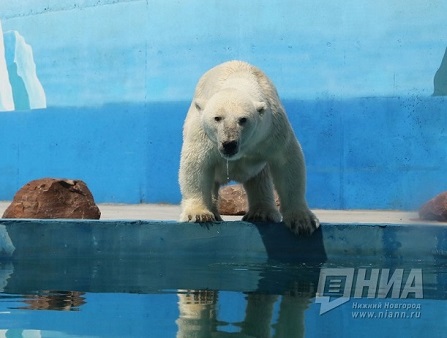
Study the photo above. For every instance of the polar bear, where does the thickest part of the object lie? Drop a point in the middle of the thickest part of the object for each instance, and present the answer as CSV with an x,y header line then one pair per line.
x,y
236,129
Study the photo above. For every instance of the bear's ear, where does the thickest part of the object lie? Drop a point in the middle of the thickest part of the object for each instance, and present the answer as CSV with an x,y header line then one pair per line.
x,y
260,107
199,104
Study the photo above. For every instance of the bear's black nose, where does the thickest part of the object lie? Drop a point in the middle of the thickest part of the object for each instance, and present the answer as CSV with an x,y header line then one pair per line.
x,y
230,147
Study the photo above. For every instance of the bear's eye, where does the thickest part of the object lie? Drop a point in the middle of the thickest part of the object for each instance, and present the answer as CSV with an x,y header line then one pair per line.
x,y
217,118
242,120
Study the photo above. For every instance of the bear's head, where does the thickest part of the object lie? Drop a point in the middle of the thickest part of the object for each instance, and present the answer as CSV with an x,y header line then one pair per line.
x,y
234,122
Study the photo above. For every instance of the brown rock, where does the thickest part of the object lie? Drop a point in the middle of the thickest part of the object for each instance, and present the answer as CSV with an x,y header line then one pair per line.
x,y
233,200
435,209
53,198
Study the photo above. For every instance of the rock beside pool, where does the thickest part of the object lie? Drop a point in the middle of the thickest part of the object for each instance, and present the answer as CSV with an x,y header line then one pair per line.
x,y
233,200
435,209
53,198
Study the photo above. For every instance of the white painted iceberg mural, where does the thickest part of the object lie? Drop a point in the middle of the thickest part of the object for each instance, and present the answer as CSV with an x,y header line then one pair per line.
x,y
20,87
6,99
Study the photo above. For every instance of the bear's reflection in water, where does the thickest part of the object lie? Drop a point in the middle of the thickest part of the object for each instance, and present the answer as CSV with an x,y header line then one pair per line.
x,y
54,300
199,314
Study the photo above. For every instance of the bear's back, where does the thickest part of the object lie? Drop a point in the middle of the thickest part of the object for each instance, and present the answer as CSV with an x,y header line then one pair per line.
x,y
217,78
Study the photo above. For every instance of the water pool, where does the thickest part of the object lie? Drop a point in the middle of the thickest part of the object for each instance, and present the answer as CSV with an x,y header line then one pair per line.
x,y
232,279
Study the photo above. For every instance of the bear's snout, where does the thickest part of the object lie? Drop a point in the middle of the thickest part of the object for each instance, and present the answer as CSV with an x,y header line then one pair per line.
x,y
230,148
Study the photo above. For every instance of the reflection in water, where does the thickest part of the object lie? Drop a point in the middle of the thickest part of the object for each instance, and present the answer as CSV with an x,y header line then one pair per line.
x,y
440,80
54,300
199,314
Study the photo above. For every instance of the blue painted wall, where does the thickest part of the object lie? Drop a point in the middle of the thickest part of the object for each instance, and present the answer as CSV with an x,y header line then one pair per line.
x,y
357,79
361,153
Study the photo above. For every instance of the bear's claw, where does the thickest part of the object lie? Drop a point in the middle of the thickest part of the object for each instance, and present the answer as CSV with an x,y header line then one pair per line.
x,y
201,218
204,217
262,216
302,222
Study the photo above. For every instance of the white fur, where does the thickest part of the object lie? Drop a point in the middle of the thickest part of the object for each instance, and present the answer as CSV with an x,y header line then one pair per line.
x,y
237,119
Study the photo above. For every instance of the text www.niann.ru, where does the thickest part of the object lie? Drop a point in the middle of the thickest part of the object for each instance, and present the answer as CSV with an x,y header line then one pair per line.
x,y
386,311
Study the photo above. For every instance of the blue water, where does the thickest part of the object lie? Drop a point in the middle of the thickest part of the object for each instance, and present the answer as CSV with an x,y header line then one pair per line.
x,y
287,301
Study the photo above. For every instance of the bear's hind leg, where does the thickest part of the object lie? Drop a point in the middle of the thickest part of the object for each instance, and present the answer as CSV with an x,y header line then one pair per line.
x,y
261,202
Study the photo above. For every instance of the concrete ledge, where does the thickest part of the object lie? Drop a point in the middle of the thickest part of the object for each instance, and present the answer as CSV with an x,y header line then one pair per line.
x,y
46,239
141,256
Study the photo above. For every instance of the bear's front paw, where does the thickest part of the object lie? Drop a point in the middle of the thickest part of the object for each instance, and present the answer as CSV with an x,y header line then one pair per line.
x,y
301,222
199,216
262,215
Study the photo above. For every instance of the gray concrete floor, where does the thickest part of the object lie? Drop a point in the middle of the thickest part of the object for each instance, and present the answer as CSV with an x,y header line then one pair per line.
x,y
171,212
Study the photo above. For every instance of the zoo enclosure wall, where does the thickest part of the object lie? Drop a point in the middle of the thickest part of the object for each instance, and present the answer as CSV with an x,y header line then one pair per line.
x,y
366,100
